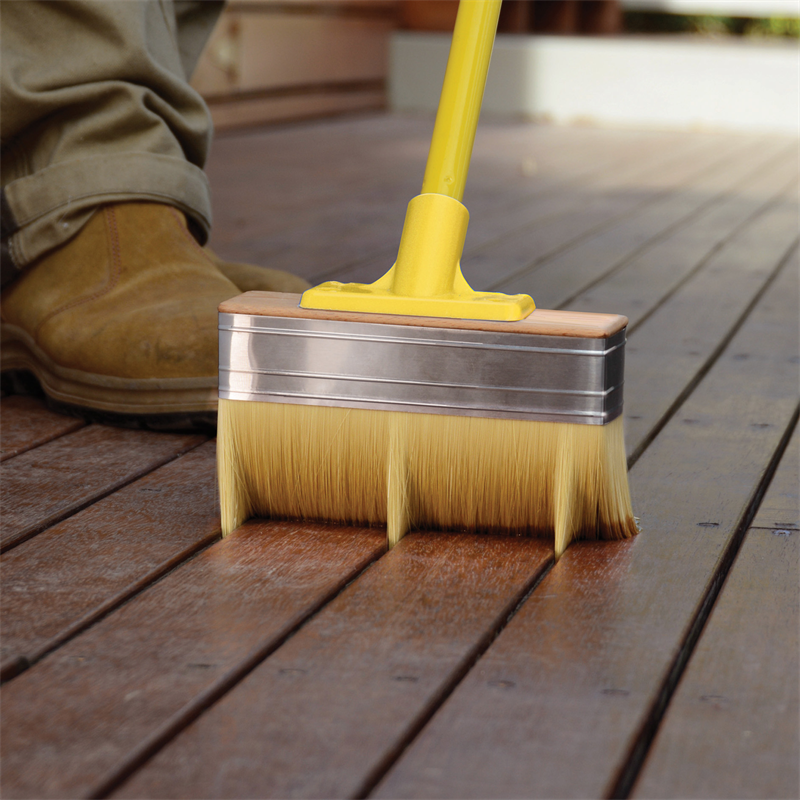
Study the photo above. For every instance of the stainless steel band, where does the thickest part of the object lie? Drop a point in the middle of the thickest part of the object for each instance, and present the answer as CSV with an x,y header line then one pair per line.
x,y
427,370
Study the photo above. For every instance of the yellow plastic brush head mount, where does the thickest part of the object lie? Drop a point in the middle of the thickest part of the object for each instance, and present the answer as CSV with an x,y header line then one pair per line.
x,y
426,280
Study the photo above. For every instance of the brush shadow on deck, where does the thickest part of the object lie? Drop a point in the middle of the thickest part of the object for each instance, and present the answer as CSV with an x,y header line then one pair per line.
x,y
144,656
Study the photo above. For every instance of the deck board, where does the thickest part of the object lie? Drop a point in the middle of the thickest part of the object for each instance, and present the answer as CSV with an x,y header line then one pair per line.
x,y
680,340
781,507
27,423
322,715
68,576
668,240
47,484
515,238
145,657
89,711
558,704
732,728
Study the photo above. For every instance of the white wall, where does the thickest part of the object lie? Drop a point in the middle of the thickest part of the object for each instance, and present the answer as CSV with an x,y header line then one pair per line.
x,y
743,85
723,8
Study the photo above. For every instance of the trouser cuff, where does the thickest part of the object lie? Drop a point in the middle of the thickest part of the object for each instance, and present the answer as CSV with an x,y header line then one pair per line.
x,y
42,211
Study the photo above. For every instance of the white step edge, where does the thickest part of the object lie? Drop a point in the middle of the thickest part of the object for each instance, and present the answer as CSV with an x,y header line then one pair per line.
x,y
652,82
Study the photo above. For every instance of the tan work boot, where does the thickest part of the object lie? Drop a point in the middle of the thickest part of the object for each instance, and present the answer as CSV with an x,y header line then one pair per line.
x,y
120,323
250,278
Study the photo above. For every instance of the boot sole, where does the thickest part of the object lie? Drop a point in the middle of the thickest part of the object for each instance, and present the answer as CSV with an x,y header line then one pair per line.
x,y
154,403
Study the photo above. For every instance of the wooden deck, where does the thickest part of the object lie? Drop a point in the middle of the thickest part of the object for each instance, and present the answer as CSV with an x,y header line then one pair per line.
x,y
144,657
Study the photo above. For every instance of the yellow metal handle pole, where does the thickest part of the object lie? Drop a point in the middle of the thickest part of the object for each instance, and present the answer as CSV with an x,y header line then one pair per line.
x,y
462,95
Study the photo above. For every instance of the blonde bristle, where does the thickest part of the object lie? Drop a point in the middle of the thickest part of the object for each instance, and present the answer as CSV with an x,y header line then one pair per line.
x,y
423,471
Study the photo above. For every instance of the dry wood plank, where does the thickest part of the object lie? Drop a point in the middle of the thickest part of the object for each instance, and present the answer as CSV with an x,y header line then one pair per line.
x,y
28,423
653,252
664,267
781,507
45,485
303,176
71,574
599,205
327,710
733,726
676,344
571,687
518,235
365,215
71,720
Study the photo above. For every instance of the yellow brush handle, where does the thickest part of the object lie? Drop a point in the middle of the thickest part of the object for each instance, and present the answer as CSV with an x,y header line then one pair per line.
x,y
462,94
426,280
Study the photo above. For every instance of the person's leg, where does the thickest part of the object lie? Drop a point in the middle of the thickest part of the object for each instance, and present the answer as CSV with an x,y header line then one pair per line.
x,y
96,108
112,302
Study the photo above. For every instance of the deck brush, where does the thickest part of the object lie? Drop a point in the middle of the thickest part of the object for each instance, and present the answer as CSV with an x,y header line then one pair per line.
x,y
415,402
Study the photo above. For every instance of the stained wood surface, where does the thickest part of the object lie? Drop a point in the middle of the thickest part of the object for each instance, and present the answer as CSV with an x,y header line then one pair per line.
x,y
48,483
733,728
27,423
62,580
577,675
80,716
326,711
144,657
540,322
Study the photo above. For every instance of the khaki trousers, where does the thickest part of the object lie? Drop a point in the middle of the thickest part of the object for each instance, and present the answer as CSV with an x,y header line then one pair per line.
x,y
95,107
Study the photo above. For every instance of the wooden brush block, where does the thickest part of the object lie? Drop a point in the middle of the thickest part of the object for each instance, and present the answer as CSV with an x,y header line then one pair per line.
x,y
542,322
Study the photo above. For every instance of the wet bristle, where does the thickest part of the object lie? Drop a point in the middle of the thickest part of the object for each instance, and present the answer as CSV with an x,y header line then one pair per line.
x,y
423,471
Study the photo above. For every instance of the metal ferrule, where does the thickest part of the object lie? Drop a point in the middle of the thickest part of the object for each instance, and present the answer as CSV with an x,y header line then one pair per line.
x,y
425,370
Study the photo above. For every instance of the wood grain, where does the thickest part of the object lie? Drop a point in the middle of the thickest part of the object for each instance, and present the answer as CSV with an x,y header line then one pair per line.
x,y
28,423
539,322
45,485
64,579
733,726
69,722
557,705
327,710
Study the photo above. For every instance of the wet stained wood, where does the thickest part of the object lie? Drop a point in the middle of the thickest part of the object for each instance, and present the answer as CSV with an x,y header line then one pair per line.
x,y
70,721
559,702
47,484
329,708
62,580
781,506
733,726
28,423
